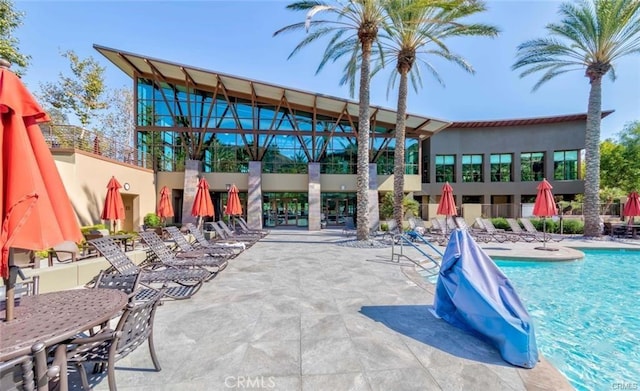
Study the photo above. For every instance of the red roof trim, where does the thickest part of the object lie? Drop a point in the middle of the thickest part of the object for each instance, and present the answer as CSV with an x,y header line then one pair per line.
x,y
524,121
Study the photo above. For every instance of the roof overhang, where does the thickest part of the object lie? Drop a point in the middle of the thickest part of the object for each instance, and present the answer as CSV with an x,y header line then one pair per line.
x,y
525,121
134,64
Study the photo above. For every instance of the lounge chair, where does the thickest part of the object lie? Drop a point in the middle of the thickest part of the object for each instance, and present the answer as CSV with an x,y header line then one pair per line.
x,y
202,241
541,236
186,281
499,236
517,230
135,327
253,236
162,254
213,250
493,233
479,235
244,227
230,237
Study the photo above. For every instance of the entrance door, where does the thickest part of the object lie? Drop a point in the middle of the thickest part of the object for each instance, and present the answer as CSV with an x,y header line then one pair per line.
x,y
336,209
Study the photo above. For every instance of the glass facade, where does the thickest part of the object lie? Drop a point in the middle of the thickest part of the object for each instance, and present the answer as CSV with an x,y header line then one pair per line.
x,y
501,167
285,209
472,168
565,165
445,168
176,123
532,166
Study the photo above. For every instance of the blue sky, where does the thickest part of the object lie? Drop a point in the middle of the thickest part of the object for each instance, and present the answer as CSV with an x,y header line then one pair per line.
x,y
235,37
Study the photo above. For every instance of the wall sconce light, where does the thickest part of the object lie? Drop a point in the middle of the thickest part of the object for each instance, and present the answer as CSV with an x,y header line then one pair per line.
x,y
126,186
343,187
228,186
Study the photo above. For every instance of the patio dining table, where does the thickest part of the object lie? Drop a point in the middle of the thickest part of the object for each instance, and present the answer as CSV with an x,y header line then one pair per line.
x,y
54,317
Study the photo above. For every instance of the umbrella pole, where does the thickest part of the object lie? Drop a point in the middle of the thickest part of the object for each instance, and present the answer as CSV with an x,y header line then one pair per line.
x,y
9,284
544,232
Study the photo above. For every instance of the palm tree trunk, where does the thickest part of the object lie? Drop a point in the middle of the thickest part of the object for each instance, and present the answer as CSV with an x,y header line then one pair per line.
x,y
592,160
363,146
398,156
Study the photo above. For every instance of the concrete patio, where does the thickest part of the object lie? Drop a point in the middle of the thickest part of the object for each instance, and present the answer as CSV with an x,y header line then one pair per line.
x,y
298,311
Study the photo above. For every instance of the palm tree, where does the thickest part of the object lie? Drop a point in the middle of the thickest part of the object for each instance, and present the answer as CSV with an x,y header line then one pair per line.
x,y
417,29
590,37
354,31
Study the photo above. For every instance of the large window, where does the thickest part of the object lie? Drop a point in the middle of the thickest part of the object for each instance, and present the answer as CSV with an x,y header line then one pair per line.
x,y
471,168
501,167
565,165
445,168
532,166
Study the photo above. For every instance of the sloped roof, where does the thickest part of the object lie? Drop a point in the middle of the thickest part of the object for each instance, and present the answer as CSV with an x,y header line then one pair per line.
x,y
524,121
130,63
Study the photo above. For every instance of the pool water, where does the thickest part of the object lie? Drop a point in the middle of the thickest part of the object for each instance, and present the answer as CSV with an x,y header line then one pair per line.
x,y
586,315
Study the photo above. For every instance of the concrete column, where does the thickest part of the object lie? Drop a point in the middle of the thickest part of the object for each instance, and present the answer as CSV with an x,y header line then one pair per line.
x,y
315,198
374,210
191,177
254,196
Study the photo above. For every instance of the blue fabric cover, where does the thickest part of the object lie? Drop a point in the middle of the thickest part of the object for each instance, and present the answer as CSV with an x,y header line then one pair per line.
x,y
474,295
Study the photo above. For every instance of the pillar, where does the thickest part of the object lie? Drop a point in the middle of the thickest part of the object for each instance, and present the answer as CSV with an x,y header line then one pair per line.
x,y
315,198
254,196
191,177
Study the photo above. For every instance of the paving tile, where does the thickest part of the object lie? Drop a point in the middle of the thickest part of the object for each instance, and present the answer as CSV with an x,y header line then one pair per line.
x,y
343,382
329,356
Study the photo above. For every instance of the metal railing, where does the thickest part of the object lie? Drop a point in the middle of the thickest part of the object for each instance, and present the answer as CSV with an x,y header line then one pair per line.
x,y
74,137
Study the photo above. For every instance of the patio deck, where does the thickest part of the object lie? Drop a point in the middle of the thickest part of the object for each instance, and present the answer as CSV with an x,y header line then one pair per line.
x,y
299,312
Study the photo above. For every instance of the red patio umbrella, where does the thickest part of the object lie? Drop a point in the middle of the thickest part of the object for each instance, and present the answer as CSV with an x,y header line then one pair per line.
x,y
36,211
165,209
545,206
113,209
447,204
632,206
234,207
202,205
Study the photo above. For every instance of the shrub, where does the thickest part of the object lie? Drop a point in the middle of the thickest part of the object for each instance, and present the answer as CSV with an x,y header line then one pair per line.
x,y
151,220
410,207
572,226
501,223
384,227
551,226
88,228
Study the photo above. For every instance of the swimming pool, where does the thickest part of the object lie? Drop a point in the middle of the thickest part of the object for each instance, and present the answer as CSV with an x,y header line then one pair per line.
x,y
586,315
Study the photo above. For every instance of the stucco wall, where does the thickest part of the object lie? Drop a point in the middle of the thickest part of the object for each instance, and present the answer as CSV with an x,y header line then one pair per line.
x,y
85,177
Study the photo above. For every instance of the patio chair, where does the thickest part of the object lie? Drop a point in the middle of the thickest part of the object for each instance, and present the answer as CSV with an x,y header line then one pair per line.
x,y
202,241
184,247
107,346
186,281
68,251
31,372
541,236
517,230
162,254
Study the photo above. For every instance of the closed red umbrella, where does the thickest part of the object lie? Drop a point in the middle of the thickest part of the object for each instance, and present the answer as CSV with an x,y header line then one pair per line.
x,y
202,205
447,204
632,206
36,211
234,207
545,206
113,209
165,208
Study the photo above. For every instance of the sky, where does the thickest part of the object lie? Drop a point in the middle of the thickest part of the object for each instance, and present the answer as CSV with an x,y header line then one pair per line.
x,y
236,38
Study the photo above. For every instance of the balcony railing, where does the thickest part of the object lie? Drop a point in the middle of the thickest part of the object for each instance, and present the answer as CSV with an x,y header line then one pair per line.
x,y
74,137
